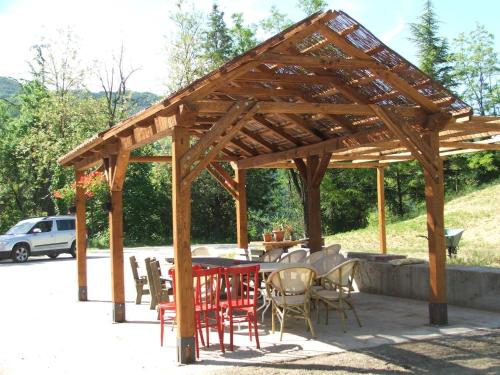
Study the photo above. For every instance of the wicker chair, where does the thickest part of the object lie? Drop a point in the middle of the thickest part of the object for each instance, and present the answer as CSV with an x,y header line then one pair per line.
x,y
201,251
336,290
332,249
297,256
271,255
290,292
140,281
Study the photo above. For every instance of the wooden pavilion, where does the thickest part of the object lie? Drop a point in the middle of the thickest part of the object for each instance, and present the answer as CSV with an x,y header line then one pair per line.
x,y
325,93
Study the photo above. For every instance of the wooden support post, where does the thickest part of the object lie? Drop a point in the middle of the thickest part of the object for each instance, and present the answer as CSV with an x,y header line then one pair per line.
x,y
117,168
312,173
181,210
381,210
241,209
116,249
81,238
313,206
434,198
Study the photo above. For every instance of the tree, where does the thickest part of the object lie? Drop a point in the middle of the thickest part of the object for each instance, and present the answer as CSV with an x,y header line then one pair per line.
x,y
476,67
433,53
114,84
312,6
56,63
185,56
276,22
243,37
217,42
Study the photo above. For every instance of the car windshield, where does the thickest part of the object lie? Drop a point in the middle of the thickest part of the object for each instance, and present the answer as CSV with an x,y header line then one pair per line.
x,y
21,228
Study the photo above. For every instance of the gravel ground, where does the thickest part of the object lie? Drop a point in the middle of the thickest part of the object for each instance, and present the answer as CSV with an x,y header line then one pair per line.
x,y
473,353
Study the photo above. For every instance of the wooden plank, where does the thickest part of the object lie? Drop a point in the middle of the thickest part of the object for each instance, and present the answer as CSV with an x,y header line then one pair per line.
x,y
255,92
197,151
81,237
220,106
434,197
321,170
260,140
414,145
318,61
228,135
227,178
471,145
221,180
167,158
277,130
241,209
181,224
335,145
381,210
118,177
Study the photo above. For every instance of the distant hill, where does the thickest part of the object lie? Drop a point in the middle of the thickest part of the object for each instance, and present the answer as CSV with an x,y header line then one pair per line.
x,y
9,87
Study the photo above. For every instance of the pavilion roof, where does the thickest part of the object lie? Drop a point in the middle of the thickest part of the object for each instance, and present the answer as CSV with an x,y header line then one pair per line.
x,y
324,85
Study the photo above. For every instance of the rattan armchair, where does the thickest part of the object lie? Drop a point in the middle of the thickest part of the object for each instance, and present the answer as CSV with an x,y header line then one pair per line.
x,y
336,288
290,292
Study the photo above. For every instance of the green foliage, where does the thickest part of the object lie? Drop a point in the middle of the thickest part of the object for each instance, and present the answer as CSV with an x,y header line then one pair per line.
x,y
217,42
476,67
243,37
276,22
432,50
346,198
185,54
312,6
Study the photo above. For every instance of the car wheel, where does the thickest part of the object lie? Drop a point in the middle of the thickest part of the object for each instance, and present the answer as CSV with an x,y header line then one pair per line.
x,y
53,255
72,251
20,253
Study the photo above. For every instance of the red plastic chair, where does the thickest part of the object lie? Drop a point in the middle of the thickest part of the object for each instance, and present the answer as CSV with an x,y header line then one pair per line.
x,y
241,304
207,286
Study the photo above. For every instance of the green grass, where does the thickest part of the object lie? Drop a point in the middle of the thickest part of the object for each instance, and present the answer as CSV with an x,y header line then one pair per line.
x,y
478,213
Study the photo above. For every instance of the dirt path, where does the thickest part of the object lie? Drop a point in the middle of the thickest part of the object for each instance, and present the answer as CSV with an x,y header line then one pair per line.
x,y
473,353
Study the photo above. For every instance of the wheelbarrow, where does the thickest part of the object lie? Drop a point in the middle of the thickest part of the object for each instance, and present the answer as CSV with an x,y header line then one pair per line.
x,y
452,238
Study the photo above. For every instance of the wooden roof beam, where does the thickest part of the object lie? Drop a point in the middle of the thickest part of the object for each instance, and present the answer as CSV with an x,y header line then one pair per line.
x,y
335,145
319,61
382,71
277,130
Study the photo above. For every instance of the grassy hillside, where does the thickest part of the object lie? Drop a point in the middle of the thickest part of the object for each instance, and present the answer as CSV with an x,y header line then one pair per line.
x,y
478,213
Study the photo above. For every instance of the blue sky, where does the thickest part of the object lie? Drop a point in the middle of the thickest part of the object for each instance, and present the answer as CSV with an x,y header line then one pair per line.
x,y
144,27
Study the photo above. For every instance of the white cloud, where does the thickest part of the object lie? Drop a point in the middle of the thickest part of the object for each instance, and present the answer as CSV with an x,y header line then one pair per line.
x,y
389,35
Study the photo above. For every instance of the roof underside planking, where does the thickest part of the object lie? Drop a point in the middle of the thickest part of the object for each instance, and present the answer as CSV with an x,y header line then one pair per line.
x,y
324,85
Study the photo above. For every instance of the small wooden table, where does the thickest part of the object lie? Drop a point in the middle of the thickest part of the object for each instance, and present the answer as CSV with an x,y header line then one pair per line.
x,y
285,245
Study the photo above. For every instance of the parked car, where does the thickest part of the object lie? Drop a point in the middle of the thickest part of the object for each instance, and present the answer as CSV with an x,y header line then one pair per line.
x,y
51,236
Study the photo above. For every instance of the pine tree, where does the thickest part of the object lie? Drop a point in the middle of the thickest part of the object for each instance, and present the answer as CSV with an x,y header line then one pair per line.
x,y
243,37
432,49
217,43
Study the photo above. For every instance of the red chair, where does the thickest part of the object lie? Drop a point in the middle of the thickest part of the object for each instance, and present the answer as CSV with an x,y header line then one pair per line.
x,y
241,304
207,286
164,307
169,307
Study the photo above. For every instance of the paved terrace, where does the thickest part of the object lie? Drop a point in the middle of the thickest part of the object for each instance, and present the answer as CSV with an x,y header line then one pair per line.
x,y
45,330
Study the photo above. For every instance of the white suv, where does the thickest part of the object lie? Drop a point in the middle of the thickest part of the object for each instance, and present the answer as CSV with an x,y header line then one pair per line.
x,y
51,235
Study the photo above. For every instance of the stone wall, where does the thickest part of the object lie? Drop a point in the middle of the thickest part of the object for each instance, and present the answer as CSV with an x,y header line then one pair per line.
x,y
475,287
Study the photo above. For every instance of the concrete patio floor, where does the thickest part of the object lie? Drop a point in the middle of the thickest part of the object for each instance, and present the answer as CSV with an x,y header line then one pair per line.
x,y
44,329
